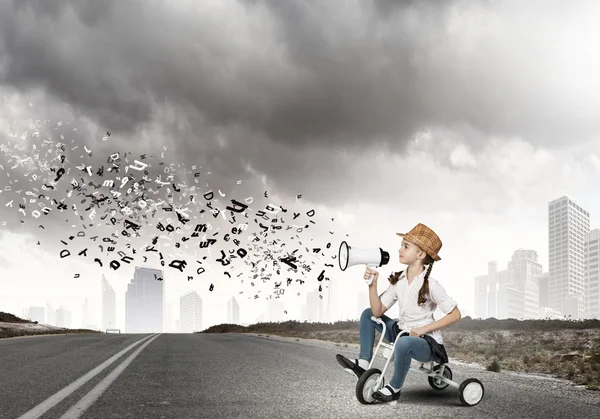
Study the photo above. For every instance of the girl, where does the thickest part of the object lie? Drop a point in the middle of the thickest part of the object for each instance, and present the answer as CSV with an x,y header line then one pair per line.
x,y
418,295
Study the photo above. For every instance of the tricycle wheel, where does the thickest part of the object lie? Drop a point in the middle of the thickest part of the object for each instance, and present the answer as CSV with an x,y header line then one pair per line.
x,y
367,385
436,382
470,392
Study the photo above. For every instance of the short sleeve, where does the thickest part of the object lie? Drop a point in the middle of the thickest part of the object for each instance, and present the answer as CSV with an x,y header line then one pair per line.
x,y
440,297
389,297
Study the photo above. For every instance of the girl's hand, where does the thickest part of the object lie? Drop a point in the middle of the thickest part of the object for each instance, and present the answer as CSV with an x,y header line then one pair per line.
x,y
418,331
371,273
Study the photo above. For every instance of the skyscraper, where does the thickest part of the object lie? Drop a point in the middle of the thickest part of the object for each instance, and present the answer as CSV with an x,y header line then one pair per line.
x,y
63,317
144,301
510,293
509,298
526,274
109,306
190,312
233,311
568,224
592,276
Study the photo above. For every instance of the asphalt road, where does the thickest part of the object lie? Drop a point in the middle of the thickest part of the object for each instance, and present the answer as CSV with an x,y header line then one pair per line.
x,y
241,376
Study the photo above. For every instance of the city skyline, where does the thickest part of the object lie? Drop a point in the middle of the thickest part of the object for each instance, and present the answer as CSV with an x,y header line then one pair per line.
x,y
568,289
498,294
523,290
296,310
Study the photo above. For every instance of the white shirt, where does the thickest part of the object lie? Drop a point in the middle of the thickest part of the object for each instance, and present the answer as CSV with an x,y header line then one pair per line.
x,y
411,314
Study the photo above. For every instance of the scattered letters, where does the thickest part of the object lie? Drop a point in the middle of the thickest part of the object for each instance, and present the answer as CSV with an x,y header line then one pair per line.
x,y
122,202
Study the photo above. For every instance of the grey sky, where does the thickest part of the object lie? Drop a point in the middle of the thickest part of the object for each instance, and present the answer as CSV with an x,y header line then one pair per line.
x,y
313,74
463,109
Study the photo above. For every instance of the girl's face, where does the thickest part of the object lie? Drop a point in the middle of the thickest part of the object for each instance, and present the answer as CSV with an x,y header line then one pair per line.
x,y
409,252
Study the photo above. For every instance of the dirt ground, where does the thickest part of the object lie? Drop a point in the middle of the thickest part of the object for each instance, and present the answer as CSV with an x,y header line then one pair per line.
x,y
568,354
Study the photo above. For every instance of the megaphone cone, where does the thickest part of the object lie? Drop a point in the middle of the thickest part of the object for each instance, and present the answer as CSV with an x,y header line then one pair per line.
x,y
349,256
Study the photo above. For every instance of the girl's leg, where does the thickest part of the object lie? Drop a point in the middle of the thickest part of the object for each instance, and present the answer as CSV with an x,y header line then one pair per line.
x,y
367,333
407,348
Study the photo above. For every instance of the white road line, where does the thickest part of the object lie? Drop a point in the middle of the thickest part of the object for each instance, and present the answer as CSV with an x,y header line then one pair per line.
x,y
59,396
86,401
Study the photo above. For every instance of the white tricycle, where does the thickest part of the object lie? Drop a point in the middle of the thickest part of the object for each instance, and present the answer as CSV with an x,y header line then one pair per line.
x,y
439,376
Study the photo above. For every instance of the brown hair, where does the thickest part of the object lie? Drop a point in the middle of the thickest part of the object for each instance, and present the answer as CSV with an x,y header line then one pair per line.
x,y
424,291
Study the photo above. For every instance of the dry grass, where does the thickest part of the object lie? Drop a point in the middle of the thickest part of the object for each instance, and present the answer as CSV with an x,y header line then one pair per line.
x,y
11,333
13,326
564,349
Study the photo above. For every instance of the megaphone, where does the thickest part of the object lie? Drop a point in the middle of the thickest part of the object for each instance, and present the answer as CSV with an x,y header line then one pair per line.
x,y
348,256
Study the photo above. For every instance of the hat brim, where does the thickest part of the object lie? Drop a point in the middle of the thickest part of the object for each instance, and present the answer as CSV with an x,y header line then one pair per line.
x,y
416,241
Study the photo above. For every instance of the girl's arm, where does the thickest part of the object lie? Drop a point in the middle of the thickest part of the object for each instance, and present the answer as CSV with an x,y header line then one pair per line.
x,y
444,302
445,321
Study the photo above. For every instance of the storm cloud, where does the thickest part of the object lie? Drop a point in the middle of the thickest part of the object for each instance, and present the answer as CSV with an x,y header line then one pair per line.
x,y
298,91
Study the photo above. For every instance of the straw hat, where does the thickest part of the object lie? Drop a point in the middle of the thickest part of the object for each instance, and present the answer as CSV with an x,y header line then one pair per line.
x,y
425,238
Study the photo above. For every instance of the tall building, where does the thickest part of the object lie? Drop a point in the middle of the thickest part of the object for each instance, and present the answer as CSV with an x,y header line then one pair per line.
x,y
63,317
510,300
568,225
233,311
109,306
510,293
37,314
592,276
190,312
144,301
526,276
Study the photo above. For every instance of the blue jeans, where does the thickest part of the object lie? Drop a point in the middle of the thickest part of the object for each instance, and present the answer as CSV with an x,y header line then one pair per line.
x,y
406,348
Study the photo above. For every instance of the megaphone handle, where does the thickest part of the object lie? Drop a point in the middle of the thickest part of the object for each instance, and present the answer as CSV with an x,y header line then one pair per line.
x,y
370,281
